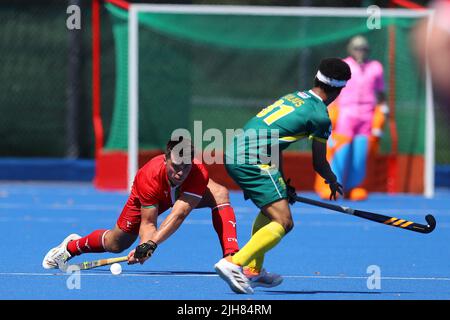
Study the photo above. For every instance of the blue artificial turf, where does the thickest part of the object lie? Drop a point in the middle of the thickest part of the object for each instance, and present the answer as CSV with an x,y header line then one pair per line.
x,y
326,256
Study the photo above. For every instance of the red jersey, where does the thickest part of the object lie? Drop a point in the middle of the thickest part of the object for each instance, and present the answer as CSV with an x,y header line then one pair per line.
x,y
151,186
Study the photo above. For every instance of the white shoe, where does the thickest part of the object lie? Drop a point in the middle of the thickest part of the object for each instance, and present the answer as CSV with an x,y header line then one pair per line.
x,y
263,278
234,276
58,256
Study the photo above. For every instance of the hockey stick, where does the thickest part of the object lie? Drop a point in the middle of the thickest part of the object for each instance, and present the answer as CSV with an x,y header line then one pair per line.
x,y
99,263
392,221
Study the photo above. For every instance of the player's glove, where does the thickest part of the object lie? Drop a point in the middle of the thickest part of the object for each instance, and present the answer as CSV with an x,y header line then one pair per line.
x,y
145,250
290,192
335,187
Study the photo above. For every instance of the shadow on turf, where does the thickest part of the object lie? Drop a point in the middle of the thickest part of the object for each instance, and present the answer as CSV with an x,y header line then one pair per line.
x,y
162,273
275,292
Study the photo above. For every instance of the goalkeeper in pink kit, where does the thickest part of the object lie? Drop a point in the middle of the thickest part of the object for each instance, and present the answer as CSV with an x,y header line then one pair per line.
x,y
358,117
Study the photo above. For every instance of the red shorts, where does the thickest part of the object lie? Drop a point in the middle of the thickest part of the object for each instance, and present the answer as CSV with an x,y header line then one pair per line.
x,y
130,219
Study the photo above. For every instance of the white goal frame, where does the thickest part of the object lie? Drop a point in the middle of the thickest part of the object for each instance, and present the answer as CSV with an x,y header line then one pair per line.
x,y
133,64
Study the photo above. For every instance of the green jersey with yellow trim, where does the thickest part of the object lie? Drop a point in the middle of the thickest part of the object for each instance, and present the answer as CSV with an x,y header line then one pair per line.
x,y
293,117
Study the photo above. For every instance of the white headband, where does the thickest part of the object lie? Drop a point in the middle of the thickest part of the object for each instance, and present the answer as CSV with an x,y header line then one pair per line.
x,y
330,81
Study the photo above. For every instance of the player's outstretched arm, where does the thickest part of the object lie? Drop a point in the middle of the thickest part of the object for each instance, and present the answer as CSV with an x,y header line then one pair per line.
x,y
322,167
148,227
180,210
149,218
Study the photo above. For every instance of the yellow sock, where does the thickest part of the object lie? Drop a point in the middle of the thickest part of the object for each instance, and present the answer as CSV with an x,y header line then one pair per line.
x,y
262,241
260,221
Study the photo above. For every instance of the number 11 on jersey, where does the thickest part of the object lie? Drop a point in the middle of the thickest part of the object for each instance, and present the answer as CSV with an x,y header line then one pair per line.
x,y
282,111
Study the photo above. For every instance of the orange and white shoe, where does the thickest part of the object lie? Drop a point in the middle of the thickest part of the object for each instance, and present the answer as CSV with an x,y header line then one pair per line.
x,y
263,278
358,194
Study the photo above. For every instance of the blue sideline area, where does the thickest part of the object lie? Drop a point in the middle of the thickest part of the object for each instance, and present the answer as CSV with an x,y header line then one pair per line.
x,y
57,169
442,176
327,256
47,169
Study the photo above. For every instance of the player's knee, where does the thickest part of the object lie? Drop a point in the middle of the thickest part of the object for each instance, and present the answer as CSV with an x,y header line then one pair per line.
x,y
220,194
288,225
117,248
115,245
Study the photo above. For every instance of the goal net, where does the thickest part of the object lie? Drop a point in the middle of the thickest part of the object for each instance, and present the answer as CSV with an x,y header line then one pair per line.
x,y
177,65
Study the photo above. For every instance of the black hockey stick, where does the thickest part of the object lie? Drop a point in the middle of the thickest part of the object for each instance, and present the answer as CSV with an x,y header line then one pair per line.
x,y
392,221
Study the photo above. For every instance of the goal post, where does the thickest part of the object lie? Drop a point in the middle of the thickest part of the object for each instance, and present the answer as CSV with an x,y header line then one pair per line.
x,y
133,94
266,33
430,132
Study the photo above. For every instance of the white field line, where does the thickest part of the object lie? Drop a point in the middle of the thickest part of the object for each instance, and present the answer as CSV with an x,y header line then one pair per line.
x,y
61,206
69,220
238,209
343,224
154,275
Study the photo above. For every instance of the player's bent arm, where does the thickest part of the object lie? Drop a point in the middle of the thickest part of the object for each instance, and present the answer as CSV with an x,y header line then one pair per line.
x,y
323,168
149,218
180,210
320,162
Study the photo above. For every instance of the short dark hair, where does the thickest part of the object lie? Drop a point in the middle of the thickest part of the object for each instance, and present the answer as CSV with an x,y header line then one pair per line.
x,y
334,68
187,146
